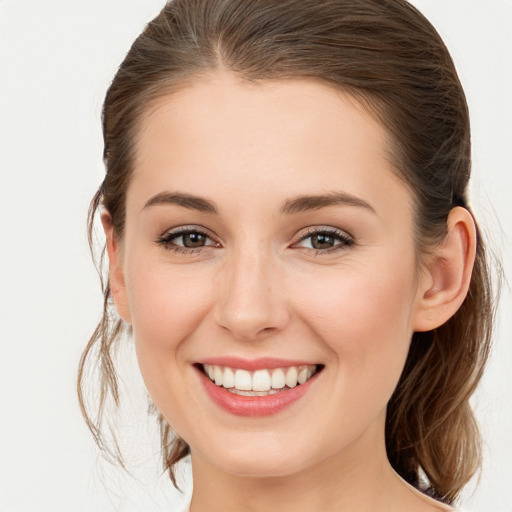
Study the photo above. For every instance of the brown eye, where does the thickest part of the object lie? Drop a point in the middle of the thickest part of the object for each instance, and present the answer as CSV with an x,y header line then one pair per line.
x,y
194,239
325,240
186,240
322,241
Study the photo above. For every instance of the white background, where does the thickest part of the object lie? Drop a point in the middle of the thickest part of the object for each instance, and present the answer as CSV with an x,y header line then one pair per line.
x,y
56,60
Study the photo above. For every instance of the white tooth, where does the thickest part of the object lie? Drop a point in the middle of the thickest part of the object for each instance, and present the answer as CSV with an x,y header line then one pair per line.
x,y
311,370
243,380
253,393
291,377
217,374
228,378
261,381
278,380
209,370
303,375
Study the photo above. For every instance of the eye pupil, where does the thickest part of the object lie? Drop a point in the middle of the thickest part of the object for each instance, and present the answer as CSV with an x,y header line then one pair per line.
x,y
322,241
194,240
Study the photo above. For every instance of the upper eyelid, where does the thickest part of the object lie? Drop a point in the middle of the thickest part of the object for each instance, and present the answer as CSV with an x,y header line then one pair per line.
x,y
188,229
314,229
325,229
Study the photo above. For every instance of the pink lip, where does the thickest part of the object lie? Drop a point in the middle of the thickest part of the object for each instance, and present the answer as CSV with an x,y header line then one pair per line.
x,y
254,406
254,364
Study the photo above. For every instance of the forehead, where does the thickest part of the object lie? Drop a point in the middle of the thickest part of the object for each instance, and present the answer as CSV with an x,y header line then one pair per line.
x,y
277,136
222,99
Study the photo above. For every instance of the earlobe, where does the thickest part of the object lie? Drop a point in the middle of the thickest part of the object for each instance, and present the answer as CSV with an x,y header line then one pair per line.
x,y
447,274
116,274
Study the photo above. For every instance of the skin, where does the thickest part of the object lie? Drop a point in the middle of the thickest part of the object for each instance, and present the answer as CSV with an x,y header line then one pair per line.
x,y
258,288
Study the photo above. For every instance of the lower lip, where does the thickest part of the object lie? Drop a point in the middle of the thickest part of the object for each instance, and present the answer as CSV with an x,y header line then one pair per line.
x,y
254,406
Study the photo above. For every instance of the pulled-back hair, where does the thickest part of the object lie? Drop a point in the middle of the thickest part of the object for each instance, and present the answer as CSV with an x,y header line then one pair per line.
x,y
390,58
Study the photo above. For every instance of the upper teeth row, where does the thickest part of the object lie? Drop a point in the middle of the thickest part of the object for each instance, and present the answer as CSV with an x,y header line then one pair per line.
x,y
260,380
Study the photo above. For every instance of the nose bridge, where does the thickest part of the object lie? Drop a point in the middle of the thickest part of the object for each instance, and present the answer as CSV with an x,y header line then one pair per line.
x,y
250,297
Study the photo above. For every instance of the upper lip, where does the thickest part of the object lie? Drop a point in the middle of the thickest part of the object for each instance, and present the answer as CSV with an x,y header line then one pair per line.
x,y
260,363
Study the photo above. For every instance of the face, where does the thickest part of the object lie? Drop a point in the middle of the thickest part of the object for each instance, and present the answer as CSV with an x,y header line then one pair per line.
x,y
266,229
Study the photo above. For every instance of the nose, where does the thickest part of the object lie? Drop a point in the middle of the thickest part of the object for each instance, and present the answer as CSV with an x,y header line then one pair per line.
x,y
251,300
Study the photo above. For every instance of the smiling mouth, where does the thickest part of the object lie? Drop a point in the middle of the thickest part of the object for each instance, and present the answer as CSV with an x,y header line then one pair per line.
x,y
262,382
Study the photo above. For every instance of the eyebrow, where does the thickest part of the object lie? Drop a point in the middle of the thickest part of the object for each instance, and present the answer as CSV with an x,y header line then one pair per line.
x,y
291,206
301,204
186,200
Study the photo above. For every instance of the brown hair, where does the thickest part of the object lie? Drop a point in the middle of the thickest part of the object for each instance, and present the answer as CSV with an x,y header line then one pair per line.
x,y
390,58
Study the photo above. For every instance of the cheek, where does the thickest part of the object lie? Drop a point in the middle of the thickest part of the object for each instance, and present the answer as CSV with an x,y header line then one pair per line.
x,y
365,299
165,304
166,308
364,315
364,318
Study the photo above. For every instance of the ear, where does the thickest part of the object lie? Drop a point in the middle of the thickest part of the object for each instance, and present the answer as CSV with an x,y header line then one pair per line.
x,y
447,273
116,274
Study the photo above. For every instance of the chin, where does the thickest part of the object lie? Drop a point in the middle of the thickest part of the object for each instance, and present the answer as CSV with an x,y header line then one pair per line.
x,y
259,460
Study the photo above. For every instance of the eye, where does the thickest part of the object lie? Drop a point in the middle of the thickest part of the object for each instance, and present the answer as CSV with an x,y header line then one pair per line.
x,y
325,240
186,240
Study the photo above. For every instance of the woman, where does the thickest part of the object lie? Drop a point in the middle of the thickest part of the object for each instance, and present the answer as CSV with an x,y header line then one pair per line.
x,y
290,242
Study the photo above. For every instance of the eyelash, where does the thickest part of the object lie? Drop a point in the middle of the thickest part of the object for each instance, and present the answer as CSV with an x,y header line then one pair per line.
x,y
166,240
